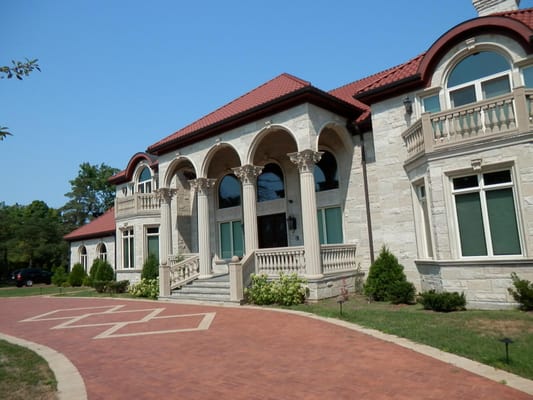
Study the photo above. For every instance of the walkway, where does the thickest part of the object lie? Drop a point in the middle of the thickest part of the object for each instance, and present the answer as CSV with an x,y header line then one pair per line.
x,y
153,350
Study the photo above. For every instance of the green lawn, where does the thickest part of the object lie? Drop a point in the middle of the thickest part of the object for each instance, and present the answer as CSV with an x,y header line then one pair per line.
x,y
24,374
52,290
472,334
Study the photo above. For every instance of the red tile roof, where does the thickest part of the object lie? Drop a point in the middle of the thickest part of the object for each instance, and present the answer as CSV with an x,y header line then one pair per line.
x,y
104,225
283,87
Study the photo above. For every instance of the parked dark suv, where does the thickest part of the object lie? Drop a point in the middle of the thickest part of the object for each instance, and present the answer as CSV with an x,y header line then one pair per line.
x,y
29,276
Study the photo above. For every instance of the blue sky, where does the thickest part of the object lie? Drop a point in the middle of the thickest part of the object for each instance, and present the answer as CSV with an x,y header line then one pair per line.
x,y
118,75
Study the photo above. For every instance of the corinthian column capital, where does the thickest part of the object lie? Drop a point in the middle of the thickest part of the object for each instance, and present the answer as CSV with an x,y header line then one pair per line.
x,y
305,159
202,185
165,194
247,173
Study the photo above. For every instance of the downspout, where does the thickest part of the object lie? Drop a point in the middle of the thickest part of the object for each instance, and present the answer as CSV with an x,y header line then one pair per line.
x,y
354,129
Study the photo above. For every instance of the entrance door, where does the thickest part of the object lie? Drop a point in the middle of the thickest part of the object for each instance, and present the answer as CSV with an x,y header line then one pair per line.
x,y
272,231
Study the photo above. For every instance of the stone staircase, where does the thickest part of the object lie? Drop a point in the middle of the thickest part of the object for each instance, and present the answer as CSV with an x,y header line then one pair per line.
x,y
216,289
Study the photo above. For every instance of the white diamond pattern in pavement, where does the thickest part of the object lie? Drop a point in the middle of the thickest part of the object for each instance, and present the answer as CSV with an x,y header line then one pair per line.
x,y
77,318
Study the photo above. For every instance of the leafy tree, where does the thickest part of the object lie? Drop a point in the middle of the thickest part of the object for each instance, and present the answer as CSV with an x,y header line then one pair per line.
x,y
91,194
18,70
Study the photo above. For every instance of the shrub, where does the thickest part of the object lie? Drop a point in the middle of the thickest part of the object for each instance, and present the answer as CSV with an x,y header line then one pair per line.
x,y
60,276
104,272
523,292
77,275
402,292
92,271
150,267
386,279
145,288
443,301
111,286
287,291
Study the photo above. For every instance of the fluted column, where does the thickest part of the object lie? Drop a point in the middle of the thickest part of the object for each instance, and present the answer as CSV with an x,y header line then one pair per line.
x,y
306,160
203,186
248,175
165,240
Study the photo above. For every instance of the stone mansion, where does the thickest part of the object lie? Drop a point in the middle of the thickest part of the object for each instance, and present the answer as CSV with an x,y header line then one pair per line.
x,y
432,158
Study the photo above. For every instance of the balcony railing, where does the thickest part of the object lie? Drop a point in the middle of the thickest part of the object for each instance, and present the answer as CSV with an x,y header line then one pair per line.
x,y
504,115
338,257
138,203
183,269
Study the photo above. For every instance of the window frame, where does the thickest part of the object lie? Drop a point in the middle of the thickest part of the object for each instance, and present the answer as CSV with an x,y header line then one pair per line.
x,y
144,186
83,257
323,225
231,239
102,255
148,235
128,235
482,189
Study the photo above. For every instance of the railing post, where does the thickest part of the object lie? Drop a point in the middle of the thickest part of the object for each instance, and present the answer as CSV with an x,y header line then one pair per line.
x,y
164,280
521,110
427,131
236,290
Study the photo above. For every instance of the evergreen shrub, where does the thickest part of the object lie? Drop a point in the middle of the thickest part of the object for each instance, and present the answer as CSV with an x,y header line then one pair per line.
x,y
522,292
150,267
60,276
443,301
77,275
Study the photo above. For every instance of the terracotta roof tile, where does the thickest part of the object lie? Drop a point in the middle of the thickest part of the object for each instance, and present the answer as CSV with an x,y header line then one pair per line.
x,y
269,91
104,225
525,16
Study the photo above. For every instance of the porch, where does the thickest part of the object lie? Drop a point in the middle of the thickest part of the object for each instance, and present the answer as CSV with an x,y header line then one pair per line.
x,y
338,266
138,204
496,118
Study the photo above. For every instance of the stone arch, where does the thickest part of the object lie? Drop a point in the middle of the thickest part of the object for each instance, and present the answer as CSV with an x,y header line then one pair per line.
x,y
181,163
219,161
272,144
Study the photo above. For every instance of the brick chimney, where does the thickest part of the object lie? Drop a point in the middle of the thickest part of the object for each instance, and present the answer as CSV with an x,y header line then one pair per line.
x,y
487,7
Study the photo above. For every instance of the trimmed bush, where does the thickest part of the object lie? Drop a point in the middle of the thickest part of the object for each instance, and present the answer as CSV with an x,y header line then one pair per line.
x,y
287,290
522,293
77,275
111,286
104,272
402,292
386,280
150,267
60,276
145,288
443,301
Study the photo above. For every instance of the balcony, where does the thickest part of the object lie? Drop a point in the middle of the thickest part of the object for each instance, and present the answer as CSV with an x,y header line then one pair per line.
x,y
137,204
499,117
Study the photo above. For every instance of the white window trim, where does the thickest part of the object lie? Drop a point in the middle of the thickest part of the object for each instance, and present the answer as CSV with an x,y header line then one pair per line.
x,y
132,237
231,238
424,251
456,237
477,87
146,235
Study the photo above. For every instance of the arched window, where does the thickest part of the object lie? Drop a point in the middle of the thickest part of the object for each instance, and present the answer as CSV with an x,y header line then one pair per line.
x,y
145,181
270,183
83,257
102,252
229,192
479,76
326,175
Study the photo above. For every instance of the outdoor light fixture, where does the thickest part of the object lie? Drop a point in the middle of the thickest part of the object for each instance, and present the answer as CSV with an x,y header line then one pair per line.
x,y
291,223
507,342
408,104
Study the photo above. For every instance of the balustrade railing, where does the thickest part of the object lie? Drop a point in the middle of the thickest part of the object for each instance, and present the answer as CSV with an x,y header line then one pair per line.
x,y
138,203
273,261
503,115
183,269
338,257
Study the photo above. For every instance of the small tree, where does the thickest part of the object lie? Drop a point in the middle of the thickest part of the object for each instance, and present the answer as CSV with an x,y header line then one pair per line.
x,y
60,276
150,267
77,275
104,272
522,292
386,280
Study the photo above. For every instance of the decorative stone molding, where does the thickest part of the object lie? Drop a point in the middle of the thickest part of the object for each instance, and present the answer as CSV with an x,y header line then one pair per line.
x,y
306,159
476,164
247,173
166,194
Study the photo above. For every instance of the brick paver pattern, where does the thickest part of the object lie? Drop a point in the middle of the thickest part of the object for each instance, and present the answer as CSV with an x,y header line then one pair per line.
x,y
153,350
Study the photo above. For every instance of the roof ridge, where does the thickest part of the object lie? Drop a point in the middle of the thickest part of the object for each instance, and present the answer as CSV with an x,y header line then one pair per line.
x,y
512,12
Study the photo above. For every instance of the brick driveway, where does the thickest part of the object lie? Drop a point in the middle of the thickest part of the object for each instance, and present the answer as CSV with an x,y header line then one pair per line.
x,y
153,350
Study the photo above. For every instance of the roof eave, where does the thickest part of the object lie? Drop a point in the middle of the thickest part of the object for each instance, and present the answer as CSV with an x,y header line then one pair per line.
x,y
392,89
308,94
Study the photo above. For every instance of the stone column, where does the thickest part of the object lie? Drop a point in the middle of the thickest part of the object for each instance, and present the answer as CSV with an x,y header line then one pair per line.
x,y
248,175
203,186
306,160
165,240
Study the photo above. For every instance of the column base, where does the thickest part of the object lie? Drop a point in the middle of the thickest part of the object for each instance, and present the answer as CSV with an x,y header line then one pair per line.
x,y
205,276
313,277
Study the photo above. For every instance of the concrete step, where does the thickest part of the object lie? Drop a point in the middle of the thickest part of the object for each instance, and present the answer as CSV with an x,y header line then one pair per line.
x,y
214,289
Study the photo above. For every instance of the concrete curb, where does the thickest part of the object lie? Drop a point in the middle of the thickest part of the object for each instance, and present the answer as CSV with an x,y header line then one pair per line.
x,y
70,384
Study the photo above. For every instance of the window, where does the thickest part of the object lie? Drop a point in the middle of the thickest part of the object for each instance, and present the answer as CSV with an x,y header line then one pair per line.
x,y
479,76
145,181
102,252
83,257
231,239
325,173
431,103
152,241
229,192
270,184
486,214
128,249
330,225
528,77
